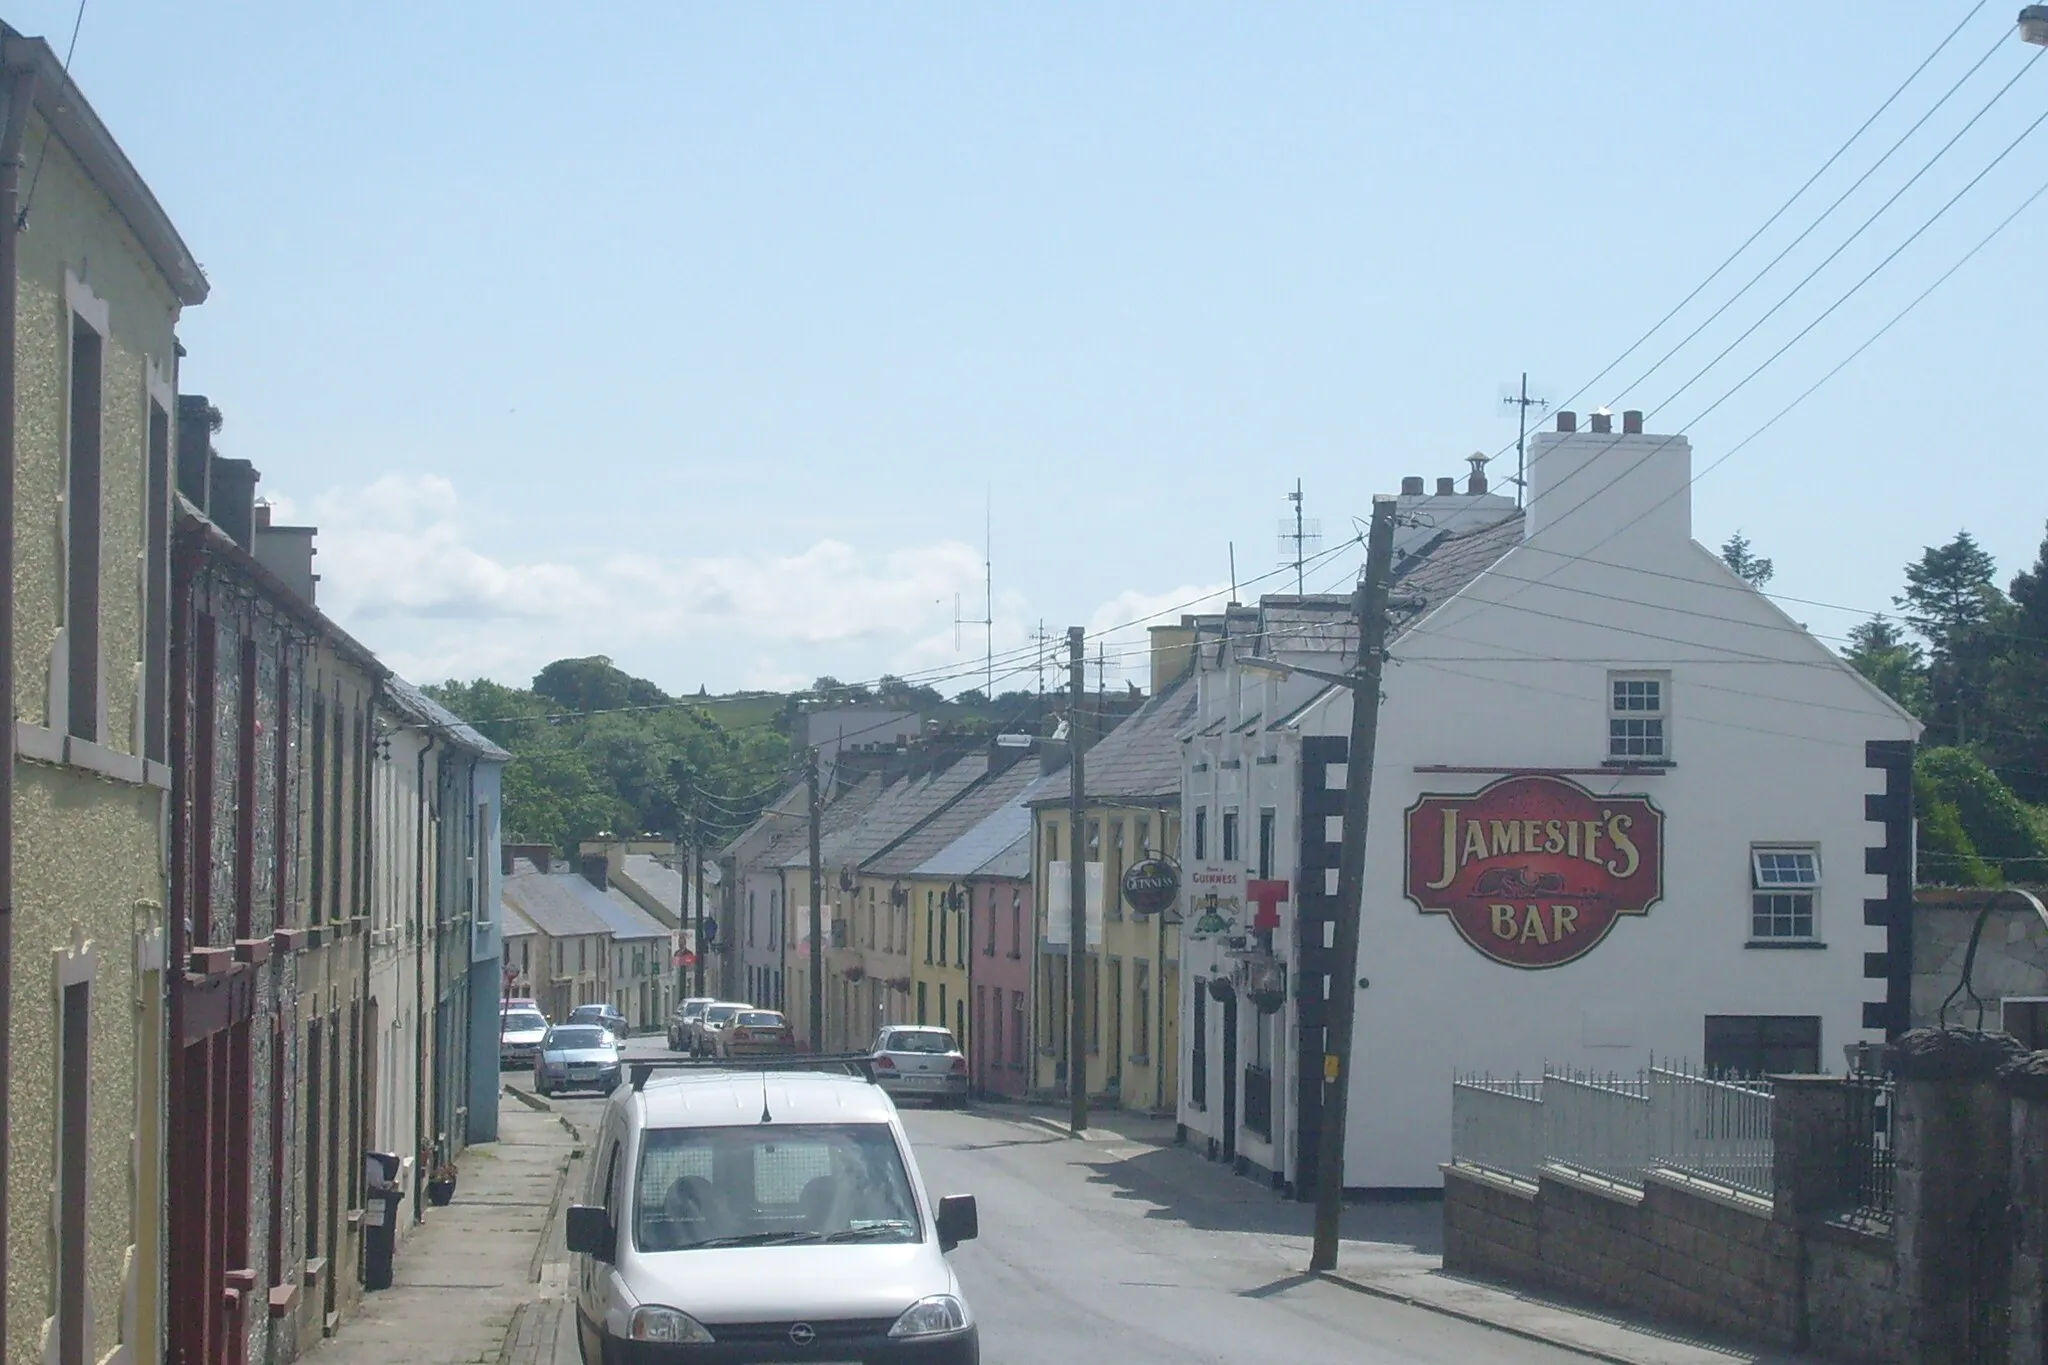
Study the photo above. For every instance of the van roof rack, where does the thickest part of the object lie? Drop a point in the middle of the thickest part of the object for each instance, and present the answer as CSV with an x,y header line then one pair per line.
x,y
861,1064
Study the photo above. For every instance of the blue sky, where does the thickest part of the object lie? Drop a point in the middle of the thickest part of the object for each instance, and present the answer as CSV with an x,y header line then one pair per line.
x,y
699,335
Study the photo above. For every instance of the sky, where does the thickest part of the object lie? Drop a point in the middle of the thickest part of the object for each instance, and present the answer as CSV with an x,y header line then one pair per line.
x,y
727,339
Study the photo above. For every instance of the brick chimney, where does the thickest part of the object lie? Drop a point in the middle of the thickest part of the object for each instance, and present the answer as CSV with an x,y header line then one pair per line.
x,y
596,870
540,855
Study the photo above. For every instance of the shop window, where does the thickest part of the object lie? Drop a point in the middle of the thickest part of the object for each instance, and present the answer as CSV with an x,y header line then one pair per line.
x,y
1638,712
1784,886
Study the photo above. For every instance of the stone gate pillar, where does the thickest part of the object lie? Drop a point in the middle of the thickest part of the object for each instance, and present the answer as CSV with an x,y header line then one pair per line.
x,y
2026,1082
1952,1130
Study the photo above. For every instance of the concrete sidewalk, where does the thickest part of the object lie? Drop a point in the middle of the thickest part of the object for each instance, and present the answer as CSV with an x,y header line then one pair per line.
x,y
1398,1272
475,1282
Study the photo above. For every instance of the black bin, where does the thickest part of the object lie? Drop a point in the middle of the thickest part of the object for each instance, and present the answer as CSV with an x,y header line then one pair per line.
x,y
381,1195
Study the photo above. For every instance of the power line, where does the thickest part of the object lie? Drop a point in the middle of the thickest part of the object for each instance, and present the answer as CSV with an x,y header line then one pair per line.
x,y
49,127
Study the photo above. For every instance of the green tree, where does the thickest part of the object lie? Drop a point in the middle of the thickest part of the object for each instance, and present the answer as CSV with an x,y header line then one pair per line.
x,y
1751,568
1952,602
594,684
2019,686
1997,827
1880,651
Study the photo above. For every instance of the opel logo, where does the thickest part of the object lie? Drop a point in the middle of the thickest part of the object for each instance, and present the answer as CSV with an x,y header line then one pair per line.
x,y
803,1334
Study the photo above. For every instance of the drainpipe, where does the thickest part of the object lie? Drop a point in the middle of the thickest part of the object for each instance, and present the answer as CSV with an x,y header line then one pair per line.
x,y
20,96
419,986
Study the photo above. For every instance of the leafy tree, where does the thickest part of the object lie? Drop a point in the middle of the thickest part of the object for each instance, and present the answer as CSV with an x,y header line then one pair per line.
x,y
2019,691
594,684
1952,602
1753,569
1880,651
1997,828
973,697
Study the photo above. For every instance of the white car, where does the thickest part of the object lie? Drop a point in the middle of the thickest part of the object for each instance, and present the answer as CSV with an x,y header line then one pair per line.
x,y
519,1036
921,1061
764,1213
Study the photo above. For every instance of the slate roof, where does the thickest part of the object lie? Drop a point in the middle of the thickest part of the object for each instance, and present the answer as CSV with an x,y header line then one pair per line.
x,y
1447,565
628,920
559,904
975,803
513,921
999,844
901,809
1140,759
452,727
660,881
840,813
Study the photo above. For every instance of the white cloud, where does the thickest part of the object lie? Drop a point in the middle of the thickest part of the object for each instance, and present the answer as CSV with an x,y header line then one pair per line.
x,y
399,566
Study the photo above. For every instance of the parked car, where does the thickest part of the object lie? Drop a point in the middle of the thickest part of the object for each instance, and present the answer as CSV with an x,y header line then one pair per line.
x,y
756,1033
576,1057
712,1229
717,1014
606,1017
519,1036
518,1002
682,1024
921,1060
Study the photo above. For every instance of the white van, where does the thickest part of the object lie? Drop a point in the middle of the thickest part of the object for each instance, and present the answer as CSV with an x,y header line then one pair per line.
x,y
767,1212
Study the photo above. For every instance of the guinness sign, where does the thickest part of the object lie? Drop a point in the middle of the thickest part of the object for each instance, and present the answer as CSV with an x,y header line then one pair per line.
x,y
1534,870
1151,886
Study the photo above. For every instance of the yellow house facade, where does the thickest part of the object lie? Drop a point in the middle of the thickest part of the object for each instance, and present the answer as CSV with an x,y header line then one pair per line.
x,y
1131,810
98,285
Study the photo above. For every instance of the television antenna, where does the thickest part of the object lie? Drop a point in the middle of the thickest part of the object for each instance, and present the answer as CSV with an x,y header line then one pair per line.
x,y
988,604
1522,404
1304,536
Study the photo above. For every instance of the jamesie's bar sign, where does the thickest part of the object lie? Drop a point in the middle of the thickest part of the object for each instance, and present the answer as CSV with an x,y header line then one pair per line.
x,y
1533,870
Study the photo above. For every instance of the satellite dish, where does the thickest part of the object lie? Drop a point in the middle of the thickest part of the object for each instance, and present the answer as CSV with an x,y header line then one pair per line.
x,y
711,873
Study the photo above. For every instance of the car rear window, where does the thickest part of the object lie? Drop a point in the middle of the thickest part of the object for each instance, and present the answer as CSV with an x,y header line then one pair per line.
x,y
718,1014
929,1040
577,1037
525,1021
772,1184
759,1019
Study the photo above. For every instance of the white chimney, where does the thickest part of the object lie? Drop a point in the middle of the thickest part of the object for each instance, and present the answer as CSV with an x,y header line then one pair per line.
x,y
1592,490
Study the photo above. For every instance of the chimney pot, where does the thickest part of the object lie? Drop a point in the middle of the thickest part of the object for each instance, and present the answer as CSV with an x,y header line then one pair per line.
x,y
262,516
1632,422
1477,483
1411,487
1567,421
1603,423
1446,487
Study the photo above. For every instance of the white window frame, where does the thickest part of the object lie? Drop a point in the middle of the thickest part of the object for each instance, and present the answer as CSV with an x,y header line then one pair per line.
x,y
1624,748
1776,881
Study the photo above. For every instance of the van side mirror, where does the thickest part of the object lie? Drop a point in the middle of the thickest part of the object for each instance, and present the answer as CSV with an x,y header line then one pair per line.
x,y
591,1232
958,1221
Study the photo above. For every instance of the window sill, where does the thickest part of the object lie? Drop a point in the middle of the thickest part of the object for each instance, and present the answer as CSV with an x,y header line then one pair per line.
x,y
1798,944
39,744
1652,765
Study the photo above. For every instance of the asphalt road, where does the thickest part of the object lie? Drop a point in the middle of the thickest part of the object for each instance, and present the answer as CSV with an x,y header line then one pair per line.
x,y
1137,1253
1133,1253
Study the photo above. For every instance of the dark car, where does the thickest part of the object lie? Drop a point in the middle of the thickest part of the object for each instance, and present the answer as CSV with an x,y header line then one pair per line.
x,y
606,1017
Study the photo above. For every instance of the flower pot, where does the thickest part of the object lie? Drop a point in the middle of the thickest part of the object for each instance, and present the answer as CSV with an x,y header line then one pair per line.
x,y
439,1192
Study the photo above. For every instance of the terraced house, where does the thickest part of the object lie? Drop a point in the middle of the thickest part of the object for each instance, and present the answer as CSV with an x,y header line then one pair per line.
x,y
1131,809
90,299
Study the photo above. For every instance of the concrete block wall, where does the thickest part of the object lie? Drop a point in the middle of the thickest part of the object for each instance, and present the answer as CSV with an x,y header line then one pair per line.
x,y
1678,1249
1854,1310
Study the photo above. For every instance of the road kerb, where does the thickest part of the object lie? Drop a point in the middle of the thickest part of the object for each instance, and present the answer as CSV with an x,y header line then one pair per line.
x,y
1477,1319
1087,1135
530,1101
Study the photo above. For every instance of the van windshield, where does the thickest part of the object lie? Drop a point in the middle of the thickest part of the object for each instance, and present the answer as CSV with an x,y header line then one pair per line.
x,y
772,1185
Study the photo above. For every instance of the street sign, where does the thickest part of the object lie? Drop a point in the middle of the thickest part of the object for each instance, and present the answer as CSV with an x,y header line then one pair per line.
x,y
710,929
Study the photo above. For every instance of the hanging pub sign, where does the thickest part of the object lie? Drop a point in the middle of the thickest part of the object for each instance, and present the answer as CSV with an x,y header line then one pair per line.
x,y
1534,870
1215,896
1151,886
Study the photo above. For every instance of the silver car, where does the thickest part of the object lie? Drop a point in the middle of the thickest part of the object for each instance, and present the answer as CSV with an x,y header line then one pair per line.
x,y
764,1213
519,1035
704,1037
576,1057
683,1023
923,1061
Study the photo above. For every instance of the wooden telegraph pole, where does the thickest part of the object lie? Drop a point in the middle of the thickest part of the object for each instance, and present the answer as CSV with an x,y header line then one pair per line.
x,y
817,1001
1077,888
1371,602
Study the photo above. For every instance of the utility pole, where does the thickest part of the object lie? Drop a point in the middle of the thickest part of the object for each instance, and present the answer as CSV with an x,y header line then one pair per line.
x,y
1523,404
1077,888
697,871
1300,535
817,913
1342,993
